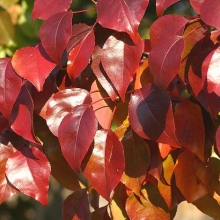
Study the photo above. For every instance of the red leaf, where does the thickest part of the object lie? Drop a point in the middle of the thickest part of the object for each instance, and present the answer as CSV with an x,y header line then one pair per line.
x,y
106,164
196,4
29,171
75,126
190,126
55,34
44,9
100,73
120,59
3,123
34,64
162,5
79,56
218,139
173,24
6,189
76,206
62,103
10,86
101,214
122,15
21,120
211,69
151,116
210,10
165,60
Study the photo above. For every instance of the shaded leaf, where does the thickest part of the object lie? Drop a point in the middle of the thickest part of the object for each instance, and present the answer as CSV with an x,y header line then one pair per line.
x,y
45,9
209,11
55,34
10,85
122,15
218,139
150,115
62,103
185,173
101,214
33,64
162,5
21,120
76,206
165,60
21,170
118,51
79,55
190,126
3,123
75,126
106,164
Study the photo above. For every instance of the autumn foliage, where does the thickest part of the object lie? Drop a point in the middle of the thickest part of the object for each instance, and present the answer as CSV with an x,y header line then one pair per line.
x,y
108,115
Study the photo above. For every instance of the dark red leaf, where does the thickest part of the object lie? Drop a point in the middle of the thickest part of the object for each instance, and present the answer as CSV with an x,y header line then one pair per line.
x,y
62,103
106,164
76,133
76,206
6,189
55,34
100,73
122,15
151,116
217,137
173,24
211,69
162,5
209,11
10,86
120,59
34,64
29,171
165,60
101,214
44,9
79,55
21,120
3,123
190,126
196,4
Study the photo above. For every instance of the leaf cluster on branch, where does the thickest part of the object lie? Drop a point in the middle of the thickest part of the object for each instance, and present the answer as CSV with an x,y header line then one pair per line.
x,y
110,114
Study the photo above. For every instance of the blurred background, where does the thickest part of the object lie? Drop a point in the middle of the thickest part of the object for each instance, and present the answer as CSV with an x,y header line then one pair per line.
x,y
17,30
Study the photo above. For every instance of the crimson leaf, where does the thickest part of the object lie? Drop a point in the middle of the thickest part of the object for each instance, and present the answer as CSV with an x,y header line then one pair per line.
x,y
162,5
10,85
151,116
106,163
44,9
29,171
196,4
34,64
122,15
75,126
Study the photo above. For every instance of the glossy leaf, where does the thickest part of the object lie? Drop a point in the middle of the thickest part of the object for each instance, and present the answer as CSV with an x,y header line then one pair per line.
x,y
151,116
122,15
190,126
55,34
209,11
185,173
45,9
162,5
210,67
76,206
173,24
33,64
106,164
62,103
21,120
165,60
75,126
137,161
6,189
118,51
29,171
196,4
80,55
10,85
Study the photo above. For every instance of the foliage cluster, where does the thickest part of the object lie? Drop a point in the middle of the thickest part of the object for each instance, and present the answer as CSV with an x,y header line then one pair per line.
x,y
109,114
